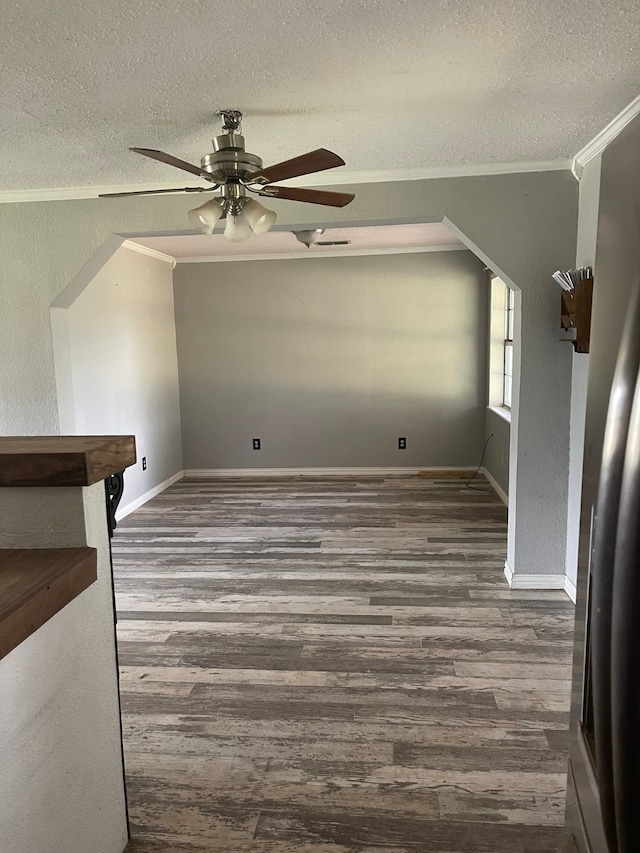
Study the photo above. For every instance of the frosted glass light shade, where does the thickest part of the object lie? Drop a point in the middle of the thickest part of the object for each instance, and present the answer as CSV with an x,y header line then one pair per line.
x,y
206,216
259,217
237,228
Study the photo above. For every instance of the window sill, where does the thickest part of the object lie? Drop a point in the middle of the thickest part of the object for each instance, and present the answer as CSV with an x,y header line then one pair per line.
x,y
501,412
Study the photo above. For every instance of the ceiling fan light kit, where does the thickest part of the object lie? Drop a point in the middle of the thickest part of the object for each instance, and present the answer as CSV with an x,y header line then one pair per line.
x,y
234,172
237,229
309,237
258,216
205,217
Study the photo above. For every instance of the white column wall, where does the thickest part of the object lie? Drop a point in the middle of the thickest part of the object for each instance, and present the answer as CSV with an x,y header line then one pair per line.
x,y
61,782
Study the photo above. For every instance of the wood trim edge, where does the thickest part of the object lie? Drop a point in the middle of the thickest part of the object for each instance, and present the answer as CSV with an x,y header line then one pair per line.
x,y
62,574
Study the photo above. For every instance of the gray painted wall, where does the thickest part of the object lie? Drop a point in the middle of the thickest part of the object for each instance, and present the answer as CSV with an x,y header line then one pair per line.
x,y
117,341
328,361
521,225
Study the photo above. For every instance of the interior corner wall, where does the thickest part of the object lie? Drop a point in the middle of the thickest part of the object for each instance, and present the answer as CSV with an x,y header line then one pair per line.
x,y
328,361
121,348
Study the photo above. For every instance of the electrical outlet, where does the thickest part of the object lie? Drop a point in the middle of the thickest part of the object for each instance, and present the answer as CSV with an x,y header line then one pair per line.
x,y
144,463
402,444
256,444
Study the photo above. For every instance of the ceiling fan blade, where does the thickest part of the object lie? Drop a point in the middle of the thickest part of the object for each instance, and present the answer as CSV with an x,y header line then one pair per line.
x,y
157,192
314,161
311,196
171,161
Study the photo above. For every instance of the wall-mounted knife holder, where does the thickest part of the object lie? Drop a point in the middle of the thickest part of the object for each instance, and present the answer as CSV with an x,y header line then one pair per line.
x,y
575,313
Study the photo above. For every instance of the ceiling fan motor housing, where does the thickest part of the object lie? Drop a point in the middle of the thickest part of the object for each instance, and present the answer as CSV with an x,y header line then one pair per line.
x,y
229,160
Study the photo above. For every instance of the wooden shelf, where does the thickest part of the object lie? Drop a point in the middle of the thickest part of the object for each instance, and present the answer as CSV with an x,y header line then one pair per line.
x,y
575,313
35,583
61,460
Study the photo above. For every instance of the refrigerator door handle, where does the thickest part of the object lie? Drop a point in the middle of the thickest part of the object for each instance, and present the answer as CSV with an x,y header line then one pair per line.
x,y
603,557
625,648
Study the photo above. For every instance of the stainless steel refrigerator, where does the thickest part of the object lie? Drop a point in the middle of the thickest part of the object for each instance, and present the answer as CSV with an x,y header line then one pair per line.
x,y
603,800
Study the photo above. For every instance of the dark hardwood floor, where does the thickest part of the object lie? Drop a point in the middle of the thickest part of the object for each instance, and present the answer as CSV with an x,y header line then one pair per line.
x,y
332,665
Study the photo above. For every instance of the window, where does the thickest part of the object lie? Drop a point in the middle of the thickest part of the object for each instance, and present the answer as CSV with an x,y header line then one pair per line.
x,y
507,372
502,330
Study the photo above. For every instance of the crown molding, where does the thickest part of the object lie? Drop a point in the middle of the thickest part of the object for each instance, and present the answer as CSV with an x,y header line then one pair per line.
x,y
373,176
606,136
75,193
426,173
152,253
320,253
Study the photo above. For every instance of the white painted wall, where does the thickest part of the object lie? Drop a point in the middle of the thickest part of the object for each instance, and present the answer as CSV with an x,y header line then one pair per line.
x,y
329,360
580,373
115,351
588,206
61,786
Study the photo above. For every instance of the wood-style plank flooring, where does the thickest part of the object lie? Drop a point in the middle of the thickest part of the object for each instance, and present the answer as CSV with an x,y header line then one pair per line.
x,y
332,665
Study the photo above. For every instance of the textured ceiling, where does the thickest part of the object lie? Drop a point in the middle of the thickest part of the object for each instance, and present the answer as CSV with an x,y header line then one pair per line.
x,y
388,85
361,240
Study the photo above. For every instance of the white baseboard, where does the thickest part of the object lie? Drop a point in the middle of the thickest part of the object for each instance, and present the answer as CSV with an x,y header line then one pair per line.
x,y
517,581
504,497
318,472
508,572
127,509
537,581
570,588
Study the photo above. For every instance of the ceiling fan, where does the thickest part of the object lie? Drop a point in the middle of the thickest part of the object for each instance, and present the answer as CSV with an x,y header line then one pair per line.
x,y
234,171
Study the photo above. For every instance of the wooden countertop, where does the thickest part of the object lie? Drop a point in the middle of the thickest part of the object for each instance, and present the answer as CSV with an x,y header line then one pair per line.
x,y
63,460
35,583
